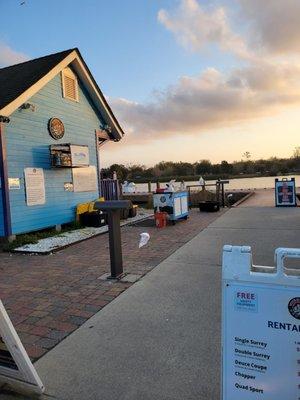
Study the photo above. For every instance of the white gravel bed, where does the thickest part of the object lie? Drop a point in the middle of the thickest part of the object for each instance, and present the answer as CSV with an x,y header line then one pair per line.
x,y
45,246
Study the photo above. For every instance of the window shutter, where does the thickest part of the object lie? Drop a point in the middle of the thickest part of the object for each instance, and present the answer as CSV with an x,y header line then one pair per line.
x,y
70,85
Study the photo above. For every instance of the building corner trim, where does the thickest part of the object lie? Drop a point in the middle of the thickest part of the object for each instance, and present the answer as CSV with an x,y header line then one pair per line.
x,y
4,184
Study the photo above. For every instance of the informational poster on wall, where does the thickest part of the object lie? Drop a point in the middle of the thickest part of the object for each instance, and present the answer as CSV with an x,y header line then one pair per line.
x,y
14,183
35,186
261,339
79,155
85,179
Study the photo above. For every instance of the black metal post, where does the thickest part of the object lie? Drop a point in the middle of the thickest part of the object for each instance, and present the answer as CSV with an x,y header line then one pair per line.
x,y
223,196
115,248
217,192
113,208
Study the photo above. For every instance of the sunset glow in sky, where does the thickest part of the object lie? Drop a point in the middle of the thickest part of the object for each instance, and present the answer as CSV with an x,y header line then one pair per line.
x,y
187,79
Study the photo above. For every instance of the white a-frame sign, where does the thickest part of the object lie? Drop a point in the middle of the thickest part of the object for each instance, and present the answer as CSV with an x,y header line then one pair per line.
x,y
16,369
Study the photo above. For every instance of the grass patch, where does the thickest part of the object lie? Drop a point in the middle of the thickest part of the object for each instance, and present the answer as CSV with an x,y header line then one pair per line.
x,y
34,237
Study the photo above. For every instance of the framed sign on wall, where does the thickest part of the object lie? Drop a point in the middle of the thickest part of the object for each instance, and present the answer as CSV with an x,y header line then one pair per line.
x,y
14,183
35,186
79,155
85,179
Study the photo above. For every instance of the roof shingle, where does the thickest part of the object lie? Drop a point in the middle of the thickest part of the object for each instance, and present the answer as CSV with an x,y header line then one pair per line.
x,y
14,80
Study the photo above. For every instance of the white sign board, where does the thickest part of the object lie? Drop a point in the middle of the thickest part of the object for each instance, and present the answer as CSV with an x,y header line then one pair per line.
x,y
80,155
16,369
35,186
85,179
260,328
14,183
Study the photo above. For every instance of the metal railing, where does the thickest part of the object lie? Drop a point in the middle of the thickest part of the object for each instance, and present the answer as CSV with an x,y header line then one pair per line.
x,y
110,189
219,191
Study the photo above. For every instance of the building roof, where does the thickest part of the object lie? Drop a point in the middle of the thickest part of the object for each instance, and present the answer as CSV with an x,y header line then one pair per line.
x,y
21,81
16,79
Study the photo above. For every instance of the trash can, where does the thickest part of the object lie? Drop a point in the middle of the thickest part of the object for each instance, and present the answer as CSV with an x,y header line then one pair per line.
x,y
160,219
209,206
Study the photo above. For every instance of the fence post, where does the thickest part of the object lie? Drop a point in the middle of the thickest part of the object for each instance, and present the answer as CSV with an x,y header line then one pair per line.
x,y
223,196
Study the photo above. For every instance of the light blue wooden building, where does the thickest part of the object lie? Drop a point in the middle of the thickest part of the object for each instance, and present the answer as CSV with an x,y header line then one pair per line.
x,y
53,121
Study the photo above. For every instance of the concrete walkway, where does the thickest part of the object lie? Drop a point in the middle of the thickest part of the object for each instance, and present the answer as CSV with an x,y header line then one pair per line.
x,y
161,338
260,198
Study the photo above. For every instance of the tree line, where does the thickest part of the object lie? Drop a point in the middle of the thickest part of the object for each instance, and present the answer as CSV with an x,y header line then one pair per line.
x,y
166,170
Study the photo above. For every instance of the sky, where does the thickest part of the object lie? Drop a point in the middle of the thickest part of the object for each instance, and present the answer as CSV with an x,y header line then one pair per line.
x,y
187,79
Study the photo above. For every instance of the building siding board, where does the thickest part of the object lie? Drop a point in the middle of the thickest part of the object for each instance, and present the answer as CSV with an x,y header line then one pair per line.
x,y
1,215
28,143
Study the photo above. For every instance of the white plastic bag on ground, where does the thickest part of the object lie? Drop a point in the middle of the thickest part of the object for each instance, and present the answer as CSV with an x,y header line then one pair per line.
x,y
144,239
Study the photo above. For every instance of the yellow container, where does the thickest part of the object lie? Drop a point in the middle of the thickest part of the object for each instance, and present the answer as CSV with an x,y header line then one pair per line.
x,y
86,207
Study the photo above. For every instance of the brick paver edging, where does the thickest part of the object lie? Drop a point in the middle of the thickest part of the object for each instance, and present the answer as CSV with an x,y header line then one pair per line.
x,y
49,297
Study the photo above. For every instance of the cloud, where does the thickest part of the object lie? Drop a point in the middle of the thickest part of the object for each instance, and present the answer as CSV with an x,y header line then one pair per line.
x,y
269,77
274,24
273,27
194,28
8,56
267,82
211,100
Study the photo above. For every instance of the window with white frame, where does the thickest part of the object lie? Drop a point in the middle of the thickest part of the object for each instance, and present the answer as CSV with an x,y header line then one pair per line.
x,y
69,84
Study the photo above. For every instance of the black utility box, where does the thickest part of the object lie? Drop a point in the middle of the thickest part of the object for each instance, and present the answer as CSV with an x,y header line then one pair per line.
x,y
133,211
94,219
209,206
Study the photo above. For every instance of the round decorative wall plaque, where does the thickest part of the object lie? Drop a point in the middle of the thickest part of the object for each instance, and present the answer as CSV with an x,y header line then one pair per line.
x,y
56,128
